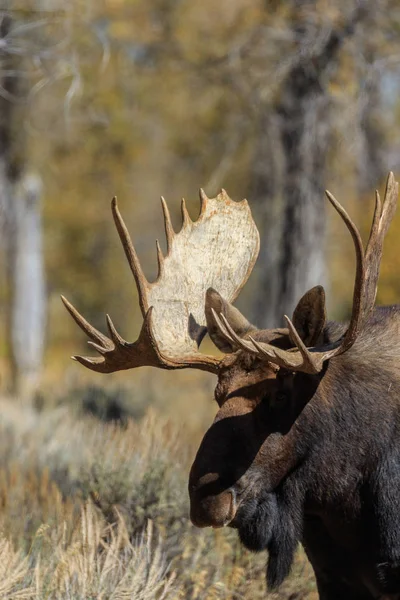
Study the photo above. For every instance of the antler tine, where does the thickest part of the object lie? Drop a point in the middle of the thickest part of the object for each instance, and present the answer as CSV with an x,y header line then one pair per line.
x,y
277,356
94,334
186,220
383,215
265,350
239,341
98,348
116,338
130,253
221,327
309,361
228,333
169,230
94,364
356,315
203,201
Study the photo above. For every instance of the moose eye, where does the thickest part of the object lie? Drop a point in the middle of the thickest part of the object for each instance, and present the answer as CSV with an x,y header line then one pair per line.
x,y
278,399
281,397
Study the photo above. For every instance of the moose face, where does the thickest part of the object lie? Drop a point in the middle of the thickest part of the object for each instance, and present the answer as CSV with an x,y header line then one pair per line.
x,y
243,455
251,445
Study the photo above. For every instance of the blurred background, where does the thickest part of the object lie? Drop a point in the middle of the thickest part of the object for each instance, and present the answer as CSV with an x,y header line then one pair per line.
x,y
272,100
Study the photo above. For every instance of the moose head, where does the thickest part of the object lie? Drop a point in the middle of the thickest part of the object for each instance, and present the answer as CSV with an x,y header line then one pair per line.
x,y
275,450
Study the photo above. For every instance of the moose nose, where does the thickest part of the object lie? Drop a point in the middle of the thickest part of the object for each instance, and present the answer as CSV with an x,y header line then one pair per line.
x,y
209,506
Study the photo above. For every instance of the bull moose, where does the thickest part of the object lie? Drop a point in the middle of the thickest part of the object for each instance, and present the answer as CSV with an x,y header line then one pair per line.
x,y
305,446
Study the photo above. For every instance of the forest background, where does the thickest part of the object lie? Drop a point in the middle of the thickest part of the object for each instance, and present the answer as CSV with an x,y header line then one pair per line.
x,y
273,101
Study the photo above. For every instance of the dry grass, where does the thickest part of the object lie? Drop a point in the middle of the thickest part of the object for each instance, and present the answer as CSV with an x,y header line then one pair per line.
x,y
99,562
96,510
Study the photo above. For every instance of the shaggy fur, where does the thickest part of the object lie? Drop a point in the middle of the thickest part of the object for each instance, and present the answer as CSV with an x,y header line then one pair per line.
x,y
316,459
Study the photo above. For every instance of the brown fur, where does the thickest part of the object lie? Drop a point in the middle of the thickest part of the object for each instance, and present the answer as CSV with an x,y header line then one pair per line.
x,y
311,458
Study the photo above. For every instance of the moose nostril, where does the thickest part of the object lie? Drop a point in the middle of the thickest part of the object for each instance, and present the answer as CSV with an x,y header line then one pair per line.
x,y
206,486
208,479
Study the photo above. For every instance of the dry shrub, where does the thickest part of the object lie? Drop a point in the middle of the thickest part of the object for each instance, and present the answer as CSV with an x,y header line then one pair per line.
x,y
14,571
102,562
99,562
49,462
52,464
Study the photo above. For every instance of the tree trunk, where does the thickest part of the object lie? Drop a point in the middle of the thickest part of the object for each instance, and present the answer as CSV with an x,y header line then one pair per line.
x,y
21,229
373,156
27,285
293,222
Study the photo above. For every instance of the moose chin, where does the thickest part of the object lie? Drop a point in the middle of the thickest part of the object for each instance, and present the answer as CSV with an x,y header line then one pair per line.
x,y
305,444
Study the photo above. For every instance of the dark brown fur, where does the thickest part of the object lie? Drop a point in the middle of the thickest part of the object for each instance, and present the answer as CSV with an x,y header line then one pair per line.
x,y
311,458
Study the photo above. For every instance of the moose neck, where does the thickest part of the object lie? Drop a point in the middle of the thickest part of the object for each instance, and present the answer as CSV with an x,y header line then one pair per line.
x,y
346,416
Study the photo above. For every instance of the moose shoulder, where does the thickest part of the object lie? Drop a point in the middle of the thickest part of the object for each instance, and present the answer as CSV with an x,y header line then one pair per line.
x,y
305,446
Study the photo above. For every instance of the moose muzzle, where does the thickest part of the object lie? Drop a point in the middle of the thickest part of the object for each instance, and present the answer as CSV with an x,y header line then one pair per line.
x,y
211,506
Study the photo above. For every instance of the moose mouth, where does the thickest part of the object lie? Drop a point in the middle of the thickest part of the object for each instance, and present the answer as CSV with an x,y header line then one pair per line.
x,y
214,511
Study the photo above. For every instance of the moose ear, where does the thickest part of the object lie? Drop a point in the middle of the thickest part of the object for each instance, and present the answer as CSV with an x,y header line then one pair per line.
x,y
309,316
237,321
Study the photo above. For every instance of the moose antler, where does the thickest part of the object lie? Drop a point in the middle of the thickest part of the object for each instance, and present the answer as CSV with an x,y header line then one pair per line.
x,y
311,360
218,250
